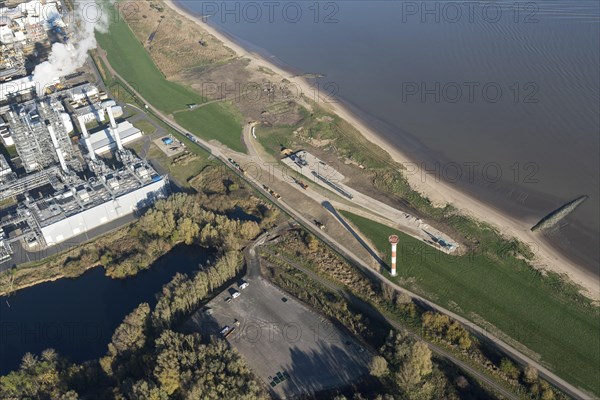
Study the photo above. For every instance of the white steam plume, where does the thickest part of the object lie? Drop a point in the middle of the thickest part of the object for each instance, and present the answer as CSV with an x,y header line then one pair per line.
x,y
87,17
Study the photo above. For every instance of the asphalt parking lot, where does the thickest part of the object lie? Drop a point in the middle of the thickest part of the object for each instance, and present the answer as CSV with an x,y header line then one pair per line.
x,y
294,350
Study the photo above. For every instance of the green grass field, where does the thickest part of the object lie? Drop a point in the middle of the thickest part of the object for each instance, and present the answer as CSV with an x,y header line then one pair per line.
x,y
214,121
506,293
129,58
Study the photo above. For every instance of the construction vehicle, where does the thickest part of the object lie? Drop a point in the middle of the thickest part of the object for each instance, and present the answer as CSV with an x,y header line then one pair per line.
x,y
301,184
320,225
286,152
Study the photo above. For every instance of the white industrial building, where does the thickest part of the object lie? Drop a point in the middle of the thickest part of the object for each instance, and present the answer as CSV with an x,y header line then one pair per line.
x,y
103,141
91,113
83,94
101,214
6,136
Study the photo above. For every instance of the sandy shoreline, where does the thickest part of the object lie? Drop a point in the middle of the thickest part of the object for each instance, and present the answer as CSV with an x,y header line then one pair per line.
x,y
440,193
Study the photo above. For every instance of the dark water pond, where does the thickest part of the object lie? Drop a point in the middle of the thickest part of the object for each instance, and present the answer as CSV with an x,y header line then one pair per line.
x,y
77,317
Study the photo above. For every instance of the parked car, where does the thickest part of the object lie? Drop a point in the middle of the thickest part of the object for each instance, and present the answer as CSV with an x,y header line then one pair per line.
x,y
244,285
228,299
236,295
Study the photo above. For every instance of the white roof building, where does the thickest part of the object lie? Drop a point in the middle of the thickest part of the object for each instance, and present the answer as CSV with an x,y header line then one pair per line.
x,y
20,36
103,141
91,218
6,136
90,113
83,93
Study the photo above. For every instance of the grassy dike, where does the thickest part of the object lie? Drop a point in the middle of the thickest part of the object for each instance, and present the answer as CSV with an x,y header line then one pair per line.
x,y
511,297
129,58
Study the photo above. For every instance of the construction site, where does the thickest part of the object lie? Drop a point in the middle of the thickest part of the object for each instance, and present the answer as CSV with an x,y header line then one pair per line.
x,y
58,186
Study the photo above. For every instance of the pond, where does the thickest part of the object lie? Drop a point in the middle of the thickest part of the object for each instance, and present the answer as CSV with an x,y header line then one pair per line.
x,y
77,317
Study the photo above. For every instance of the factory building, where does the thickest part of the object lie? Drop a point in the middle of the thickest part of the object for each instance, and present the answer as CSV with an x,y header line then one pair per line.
x,y
103,141
89,206
57,197
83,94
39,134
5,135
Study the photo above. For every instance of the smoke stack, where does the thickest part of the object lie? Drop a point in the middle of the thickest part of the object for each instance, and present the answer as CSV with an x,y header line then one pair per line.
x,y
113,128
57,148
64,59
394,242
113,123
86,137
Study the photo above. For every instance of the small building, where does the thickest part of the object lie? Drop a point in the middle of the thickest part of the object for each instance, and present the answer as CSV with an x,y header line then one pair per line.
x,y
83,94
91,112
6,136
6,34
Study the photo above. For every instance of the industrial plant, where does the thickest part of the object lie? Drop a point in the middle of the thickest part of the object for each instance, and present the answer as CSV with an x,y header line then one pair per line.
x,y
27,32
58,187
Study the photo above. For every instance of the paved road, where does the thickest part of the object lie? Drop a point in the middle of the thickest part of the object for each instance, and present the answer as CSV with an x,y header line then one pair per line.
x,y
218,152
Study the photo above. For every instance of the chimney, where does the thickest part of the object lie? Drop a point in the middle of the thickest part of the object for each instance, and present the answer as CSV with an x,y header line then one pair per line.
x,y
113,123
394,242
57,148
114,130
86,137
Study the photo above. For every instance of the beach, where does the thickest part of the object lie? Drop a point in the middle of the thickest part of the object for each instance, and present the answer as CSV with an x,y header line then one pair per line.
x,y
440,193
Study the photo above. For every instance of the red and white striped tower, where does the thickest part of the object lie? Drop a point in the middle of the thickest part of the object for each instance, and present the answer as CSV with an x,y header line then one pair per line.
x,y
393,241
